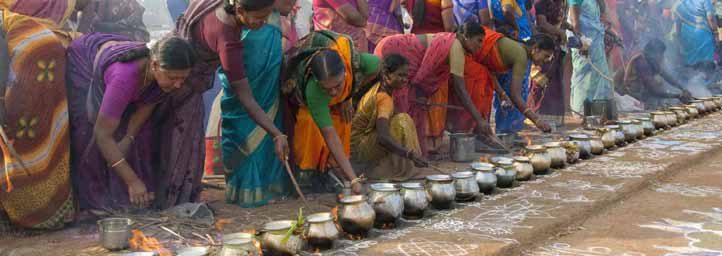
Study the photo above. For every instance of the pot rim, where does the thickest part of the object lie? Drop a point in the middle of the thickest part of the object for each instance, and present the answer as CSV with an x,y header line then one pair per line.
x,y
612,127
497,159
535,148
233,238
462,175
352,199
278,225
622,122
412,185
636,122
384,187
644,119
553,144
579,137
129,222
320,217
439,177
193,250
522,159
478,166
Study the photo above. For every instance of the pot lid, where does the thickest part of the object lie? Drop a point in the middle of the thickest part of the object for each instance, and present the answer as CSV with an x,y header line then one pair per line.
x,y
193,251
319,217
522,159
238,238
643,119
636,122
482,167
412,185
505,162
579,136
657,113
462,175
439,177
384,187
535,148
624,122
352,199
553,144
612,127
278,225
495,160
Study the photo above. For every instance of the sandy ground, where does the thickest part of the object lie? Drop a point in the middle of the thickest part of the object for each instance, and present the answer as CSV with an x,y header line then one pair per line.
x,y
592,197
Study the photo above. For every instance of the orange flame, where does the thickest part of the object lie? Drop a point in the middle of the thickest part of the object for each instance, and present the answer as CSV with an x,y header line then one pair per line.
x,y
140,242
528,140
220,223
257,245
387,225
334,213
317,250
354,237
484,159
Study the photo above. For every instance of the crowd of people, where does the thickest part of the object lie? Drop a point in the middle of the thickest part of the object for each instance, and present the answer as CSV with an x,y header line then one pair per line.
x,y
96,119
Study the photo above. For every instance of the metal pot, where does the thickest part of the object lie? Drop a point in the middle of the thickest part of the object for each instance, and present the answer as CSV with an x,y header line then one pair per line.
x,y
718,100
572,150
386,200
618,134
681,116
114,233
629,132
585,147
506,138
671,119
442,191
692,110
638,128
658,119
239,244
416,200
607,137
193,251
321,230
356,216
647,126
462,147
497,159
505,175
699,105
273,235
465,185
523,167
540,158
485,177
709,104
557,154
597,145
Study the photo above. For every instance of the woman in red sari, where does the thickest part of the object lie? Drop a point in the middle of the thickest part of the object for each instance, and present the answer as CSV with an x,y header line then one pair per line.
x,y
434,60
431,16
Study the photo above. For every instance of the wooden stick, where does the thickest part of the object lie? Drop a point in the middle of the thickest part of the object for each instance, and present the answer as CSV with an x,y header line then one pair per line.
x,y
173,233
437,169
440,105
295,183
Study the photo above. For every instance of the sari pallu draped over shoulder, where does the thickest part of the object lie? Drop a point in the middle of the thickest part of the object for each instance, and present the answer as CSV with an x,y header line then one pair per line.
x,y
55,11
37,124
429,74
309,150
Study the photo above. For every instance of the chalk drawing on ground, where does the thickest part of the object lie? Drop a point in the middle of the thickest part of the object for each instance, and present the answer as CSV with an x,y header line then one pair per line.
x,y
688,190
562,249
703,237
423,247
615,169
583,185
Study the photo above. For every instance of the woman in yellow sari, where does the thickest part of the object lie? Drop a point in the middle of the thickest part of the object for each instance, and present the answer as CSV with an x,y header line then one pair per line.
x,y
377,131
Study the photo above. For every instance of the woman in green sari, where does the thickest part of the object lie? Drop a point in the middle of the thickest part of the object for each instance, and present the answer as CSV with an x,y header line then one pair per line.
x,y
254,175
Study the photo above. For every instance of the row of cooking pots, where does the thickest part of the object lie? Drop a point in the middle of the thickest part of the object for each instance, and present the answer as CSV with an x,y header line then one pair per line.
x,y
388,202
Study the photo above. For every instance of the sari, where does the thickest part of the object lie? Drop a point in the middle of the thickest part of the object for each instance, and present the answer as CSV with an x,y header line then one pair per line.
x,y
468,10
382,21
55,11
365,137
695,38
546,92
309,151
520,13
99,83
254,174
590,82
37,124
426,15
429,72
325,17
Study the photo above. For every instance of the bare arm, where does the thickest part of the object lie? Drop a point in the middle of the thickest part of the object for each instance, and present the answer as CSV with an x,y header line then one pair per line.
x,y
546,27
363,8
574,12
4,71
447,15
352,15
334,144
712,23
134,124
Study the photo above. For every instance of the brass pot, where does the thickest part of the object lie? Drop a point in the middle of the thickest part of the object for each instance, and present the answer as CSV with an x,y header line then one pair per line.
x,y
630,134
386,200
647,126
607,136
273,235
692,110
659,119
585,147
523,167
239,244
442,191
597,145
671,119
416,200
557,154
709,104
681,116
321,230
699,104
466,187
505,174
540,159
356,216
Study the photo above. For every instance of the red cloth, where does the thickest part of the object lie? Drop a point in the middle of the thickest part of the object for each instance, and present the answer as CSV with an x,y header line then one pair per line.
x,y
480,86
488,55
432,21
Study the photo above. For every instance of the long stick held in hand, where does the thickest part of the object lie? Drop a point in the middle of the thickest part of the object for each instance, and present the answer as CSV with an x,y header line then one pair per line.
x,y
295,184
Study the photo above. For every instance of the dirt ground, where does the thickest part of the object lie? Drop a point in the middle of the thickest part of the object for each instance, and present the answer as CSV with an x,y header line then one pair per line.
x,y
529,218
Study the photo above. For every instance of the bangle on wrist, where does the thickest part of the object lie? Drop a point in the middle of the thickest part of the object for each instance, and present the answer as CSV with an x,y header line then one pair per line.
x,y
131,138
118,163
279,136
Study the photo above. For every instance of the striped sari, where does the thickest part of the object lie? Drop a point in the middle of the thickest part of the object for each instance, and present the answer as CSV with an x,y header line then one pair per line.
x,y
55,11
37,124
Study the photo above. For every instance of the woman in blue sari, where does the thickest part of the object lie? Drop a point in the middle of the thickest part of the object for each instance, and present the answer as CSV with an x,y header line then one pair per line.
x,y
254,175
590,74
696,29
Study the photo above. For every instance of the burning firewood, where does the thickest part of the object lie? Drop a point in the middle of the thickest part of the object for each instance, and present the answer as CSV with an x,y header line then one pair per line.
x,y
140,242
220,223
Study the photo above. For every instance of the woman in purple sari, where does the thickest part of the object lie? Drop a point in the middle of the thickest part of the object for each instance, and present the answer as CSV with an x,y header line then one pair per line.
x,y
114,85
384,20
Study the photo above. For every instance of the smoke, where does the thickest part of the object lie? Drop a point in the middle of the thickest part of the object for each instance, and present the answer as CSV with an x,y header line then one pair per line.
x,y
697,85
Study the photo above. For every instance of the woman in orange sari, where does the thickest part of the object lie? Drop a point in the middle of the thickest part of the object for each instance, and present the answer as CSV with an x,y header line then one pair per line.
x,y
434,60
37,192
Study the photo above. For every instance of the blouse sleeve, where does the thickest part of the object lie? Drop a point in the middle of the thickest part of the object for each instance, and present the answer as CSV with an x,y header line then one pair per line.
x,y
575,2
708,8
121,83
226,41
317,102
384,106
370,64
457,59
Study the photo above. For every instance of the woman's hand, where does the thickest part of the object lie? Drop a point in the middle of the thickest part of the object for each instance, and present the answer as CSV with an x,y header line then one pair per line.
x,y
138,194
280,143
124,144
419,161
542,125
347,111
484,129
